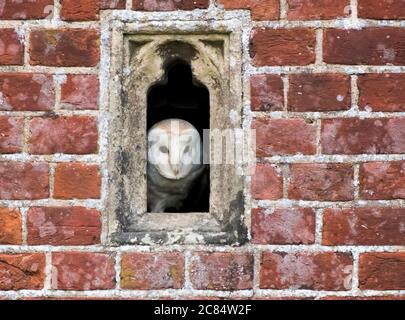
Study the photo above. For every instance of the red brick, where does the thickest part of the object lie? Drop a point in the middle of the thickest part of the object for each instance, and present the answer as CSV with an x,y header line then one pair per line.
x,y
277,47
284,136
22,271
382,180
382,92
10,226
283,226
357,136
260,9
74,135
364,226
26,92
267,182
77,181
169,5
382,271
330,271
24,181
79,10
317,9
23,10
321,181
369,46
112,4
266,92
381,9
221,271
65,48
11,48
152,271
364,298
83,271
80,92
63,226
11,130
319,92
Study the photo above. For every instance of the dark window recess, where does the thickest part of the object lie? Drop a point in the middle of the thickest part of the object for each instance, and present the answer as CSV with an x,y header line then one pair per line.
x,y
179,95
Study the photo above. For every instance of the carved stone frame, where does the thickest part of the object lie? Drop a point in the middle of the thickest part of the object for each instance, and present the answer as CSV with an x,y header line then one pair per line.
x,y
134,52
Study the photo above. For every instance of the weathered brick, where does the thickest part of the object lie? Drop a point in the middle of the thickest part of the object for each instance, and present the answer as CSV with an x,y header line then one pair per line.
x,y
11,129
65,47
77,181
357,136
267,182
382,271
317,9
382,180
283,226
152,271
369,46
276,47
221,271
26,9
169,5
80,92
83,271
330,271
10,226
321,181
284,136
382,92
74,135
63,226
112,4
319,92
22,271
266,92
260,9
381,9
24,181
26,92
80,10
11,48
364,226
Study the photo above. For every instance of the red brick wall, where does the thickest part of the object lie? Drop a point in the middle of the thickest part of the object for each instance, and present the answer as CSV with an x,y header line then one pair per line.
x,y
327,216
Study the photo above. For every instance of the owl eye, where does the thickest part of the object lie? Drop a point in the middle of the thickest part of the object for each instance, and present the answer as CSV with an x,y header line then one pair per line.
x,y
187,149
163,149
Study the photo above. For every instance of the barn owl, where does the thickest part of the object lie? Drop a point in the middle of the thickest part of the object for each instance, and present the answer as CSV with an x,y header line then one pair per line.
x,y
174,163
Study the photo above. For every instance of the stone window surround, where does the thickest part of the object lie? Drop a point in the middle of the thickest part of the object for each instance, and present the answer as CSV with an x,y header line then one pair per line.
x,y
125,170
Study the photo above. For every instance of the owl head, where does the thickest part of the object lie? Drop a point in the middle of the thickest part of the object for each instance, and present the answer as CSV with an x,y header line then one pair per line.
x,y
174,148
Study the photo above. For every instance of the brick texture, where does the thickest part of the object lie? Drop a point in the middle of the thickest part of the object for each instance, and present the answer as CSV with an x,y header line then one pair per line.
x,y
382,271
276,47
80,92
10,226
323,182
152,271
65,48
82,271
368,136
63,226
74,135
267,182
79,10
11,129
22,271
369,46
315,271
260,9
317,9
364,226
381,9
221,271
11,48
77,180
24,181
284,136
266,92
24,10
283,226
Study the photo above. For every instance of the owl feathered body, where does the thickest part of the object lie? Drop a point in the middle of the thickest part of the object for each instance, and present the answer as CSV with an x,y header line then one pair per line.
x,y
174,164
